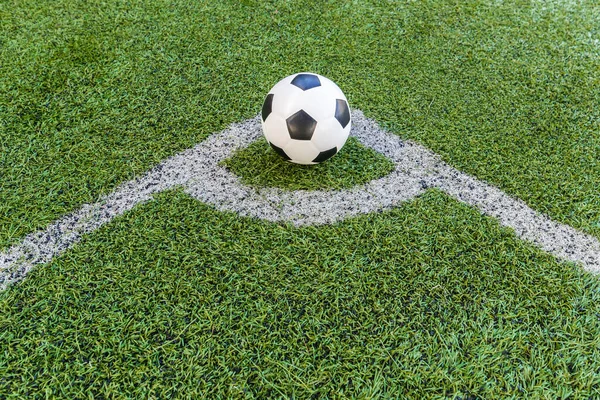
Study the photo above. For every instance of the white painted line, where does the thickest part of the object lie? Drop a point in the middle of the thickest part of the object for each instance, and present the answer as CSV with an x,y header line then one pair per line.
x,y
197,170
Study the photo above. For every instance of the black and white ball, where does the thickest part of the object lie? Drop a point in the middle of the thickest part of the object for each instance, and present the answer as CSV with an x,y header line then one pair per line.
x,y
306,118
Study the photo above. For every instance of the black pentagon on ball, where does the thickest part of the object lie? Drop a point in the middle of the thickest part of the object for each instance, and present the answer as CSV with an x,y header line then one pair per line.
x,y
324,155
301,126
267,106
342,112
306,81
280,151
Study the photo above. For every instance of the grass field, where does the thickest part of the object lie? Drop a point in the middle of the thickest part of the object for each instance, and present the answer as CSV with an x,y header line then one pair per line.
x,y
175,299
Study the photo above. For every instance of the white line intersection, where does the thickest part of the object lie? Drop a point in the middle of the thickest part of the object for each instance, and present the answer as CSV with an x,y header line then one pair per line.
x,y
197,170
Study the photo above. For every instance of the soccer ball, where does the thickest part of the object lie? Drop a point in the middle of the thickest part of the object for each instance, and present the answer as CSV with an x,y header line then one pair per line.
x,y
306,118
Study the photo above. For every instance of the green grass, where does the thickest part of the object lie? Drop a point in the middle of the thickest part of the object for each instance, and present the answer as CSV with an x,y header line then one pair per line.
x,y
259,166
93,93
431,300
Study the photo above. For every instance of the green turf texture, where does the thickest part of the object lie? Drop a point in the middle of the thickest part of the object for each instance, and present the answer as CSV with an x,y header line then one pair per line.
x,y
93,93
259,166
430,300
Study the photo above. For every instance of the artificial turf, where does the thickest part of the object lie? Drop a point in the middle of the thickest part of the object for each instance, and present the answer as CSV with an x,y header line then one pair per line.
x,y
174,299
259,166
93,93
429,300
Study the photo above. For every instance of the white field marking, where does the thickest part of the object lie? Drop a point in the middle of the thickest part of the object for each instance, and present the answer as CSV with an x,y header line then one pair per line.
x,y
197,170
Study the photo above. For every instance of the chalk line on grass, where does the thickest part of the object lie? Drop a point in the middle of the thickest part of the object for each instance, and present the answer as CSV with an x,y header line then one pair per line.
x,y
197,170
